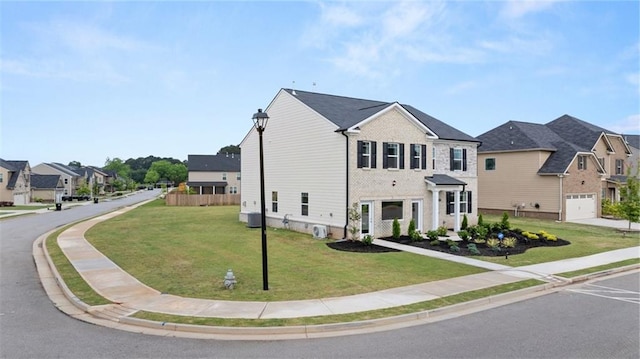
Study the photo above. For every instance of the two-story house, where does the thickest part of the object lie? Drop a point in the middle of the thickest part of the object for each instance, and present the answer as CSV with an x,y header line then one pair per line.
x,y
560,170
46,188
214,174
15,186
633,141
70,178
323,153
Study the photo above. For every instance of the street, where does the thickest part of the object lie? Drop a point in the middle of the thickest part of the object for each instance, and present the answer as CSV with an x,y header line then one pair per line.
x,y
597,319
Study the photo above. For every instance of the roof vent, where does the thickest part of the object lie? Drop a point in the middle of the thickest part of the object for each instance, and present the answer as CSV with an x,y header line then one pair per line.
x,y
293,89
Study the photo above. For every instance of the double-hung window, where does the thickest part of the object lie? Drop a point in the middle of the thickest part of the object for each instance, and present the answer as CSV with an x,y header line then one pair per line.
x,y
366,154
620,167
224,176
582,162
458,159
304,199
465,202
393,157
418,156
274,201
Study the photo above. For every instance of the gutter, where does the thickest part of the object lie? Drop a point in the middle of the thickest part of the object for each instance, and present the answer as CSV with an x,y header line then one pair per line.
x,y
346,225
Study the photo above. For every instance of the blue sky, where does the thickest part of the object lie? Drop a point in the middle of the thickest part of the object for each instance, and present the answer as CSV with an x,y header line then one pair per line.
x,y
83,81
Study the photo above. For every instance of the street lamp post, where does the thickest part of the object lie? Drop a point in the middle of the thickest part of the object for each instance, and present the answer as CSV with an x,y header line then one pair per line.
x,y
260,122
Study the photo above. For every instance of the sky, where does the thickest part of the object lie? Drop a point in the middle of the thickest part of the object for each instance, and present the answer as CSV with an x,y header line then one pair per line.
x,y
87,81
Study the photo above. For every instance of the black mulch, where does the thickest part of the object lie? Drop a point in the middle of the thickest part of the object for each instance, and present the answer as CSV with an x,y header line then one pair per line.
x,y
358,246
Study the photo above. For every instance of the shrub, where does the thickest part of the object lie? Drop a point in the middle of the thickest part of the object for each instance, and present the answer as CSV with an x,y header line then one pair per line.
x,y
435,242
432,235
548,236
473,231
367,239
610,209
480,220
416,236
504,223
509,242
412,228
442,231
454,247
493,242
396,228
473,249
465,222
479,241
464,235
494,227
530,235
482,232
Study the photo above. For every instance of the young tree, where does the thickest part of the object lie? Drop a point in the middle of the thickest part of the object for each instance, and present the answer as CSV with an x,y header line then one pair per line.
x,y
354,219
630,199
152,177
118,166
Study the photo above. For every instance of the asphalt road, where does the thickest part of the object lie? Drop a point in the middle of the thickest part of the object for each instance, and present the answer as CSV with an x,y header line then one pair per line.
x,y
593,320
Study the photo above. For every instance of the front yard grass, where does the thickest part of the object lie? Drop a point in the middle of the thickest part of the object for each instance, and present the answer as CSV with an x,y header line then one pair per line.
x,y
186,251
585,240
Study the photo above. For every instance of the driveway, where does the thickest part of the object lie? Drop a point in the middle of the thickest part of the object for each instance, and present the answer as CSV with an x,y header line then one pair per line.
x,y
605,222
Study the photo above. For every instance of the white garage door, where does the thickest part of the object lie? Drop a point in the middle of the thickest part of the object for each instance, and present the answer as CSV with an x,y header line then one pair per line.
x,y
19,199
581,206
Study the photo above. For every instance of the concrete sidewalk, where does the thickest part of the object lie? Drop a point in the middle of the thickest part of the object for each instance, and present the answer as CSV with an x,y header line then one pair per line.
x,y
116,285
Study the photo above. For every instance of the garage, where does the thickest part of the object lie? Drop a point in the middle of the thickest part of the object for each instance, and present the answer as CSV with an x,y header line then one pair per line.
x,y
581,206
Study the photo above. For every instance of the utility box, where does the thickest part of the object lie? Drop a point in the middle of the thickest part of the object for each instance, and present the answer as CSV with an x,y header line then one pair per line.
x,y
254,220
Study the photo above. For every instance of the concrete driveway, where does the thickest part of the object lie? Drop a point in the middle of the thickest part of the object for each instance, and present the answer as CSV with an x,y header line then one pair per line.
x,y
605,222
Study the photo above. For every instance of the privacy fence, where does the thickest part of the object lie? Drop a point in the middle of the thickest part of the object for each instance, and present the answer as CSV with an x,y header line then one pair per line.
x,y
180,199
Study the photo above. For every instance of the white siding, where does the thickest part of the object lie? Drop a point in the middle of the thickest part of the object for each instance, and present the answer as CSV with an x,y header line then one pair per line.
x,y
302,153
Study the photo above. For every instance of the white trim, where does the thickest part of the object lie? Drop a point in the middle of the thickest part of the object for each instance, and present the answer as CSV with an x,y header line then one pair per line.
x,y
403,111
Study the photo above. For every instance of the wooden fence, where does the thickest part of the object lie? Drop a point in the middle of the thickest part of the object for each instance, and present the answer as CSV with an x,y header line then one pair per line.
x,y
179,199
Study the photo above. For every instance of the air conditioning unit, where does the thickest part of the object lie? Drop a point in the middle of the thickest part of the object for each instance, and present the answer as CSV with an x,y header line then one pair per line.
x,y
319,231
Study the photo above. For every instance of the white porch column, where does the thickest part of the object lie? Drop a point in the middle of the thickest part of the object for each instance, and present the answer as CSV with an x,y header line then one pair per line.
x,y
434,209
456,210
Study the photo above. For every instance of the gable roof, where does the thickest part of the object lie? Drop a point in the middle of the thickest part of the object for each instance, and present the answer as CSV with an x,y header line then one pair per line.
x,y
63,169
632,140
565,137
347,112
45,181
15,167
214,163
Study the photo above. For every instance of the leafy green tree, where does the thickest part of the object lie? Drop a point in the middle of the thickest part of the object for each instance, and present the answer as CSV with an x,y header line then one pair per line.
x,y
163,168
118,166
230,149
151,177
178,173
75,164
138,174
630,199
84,189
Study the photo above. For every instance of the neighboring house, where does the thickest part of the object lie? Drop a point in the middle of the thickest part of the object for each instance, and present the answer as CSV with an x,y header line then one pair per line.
x,y
91,176
15,182
560,170
46,188
214,174
323,153
70,178
109,179
634,144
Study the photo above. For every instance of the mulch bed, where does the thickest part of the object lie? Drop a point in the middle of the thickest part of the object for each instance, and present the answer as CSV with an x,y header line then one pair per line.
x,y
522,245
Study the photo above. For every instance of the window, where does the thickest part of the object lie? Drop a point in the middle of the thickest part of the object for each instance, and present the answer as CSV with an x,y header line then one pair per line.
x,y
1,174
418,156
582,162
233,190
620,167
366,154
489,164
465,202
433,158
238,176
305,203
393,156
274,201
66,181
224,176
392,210
457,159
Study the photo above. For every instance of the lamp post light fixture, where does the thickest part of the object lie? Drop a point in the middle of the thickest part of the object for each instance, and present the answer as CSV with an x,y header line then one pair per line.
x,y
260,123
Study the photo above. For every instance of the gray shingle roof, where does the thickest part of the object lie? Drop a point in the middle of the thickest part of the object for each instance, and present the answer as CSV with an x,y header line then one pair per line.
x,y
633,140
444,180
15,167
44,181
564,137
214,163
346,112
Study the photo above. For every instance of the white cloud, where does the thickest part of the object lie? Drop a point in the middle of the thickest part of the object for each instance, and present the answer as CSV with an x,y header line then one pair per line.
x,y
628,125
515,9
340,15
461,87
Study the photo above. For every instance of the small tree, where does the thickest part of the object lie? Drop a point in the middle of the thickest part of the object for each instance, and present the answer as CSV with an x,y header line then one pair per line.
x,y
480,221
83,190
504,223
630,200
412,227
465,222
354,220
396,228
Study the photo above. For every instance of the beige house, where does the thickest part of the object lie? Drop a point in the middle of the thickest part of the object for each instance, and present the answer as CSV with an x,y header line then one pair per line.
x,y
15,186
71,179
46,188
214,174
323,153
560,170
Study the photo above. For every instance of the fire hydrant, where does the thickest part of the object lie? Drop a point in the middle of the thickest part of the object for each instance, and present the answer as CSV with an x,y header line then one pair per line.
x,y
230,280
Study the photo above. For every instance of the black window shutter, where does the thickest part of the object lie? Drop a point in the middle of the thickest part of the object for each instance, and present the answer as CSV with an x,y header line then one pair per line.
x,y
424,157
373,154
449,202
412,151
469,202
464,159
385,155
451,159
360,145
401,166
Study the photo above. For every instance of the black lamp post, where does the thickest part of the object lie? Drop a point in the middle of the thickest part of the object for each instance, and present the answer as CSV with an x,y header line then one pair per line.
x,y
260,122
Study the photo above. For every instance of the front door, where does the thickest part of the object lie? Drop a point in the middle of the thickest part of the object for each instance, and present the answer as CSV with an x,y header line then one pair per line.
x,y
366,222
416,213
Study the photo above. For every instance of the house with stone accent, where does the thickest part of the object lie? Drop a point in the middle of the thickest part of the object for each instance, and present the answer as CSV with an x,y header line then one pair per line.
x,y
560,170
214,174
15,185
323,153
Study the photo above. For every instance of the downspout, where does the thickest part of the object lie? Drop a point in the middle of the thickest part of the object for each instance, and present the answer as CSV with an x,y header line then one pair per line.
x,y
344,235
560,176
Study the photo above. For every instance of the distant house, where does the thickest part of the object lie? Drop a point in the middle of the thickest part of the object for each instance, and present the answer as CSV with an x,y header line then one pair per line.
x,y
15,186
634,144
214,174
323,153
46,188
70,178
559,170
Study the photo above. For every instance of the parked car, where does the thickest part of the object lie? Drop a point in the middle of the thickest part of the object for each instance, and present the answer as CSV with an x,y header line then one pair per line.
x,y
79,197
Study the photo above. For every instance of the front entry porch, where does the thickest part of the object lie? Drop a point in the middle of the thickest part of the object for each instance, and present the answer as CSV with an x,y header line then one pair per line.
x,y
442,183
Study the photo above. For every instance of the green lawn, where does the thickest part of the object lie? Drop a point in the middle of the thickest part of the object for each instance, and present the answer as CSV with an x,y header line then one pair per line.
x,y
27,208
186,251
585,240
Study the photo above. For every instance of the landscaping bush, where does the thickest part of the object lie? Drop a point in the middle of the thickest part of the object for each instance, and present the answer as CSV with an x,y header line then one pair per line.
x,y
504,223
548,236
493,242
465,222
412,227
464,235
530,235
435,242
396,228
473,249
482,232
416,236
442,231
480,220
367,240
432,235
509,242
